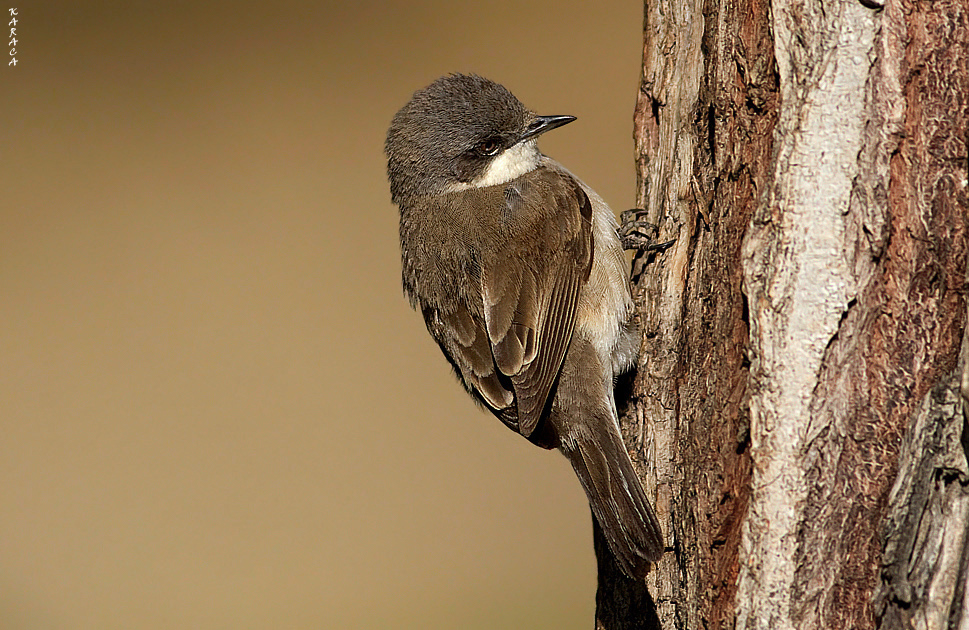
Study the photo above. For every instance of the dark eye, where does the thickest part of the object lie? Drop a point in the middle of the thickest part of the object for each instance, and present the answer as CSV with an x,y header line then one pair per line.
x,y
490,146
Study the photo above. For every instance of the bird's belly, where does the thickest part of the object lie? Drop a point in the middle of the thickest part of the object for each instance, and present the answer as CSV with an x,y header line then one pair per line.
x,y
605,306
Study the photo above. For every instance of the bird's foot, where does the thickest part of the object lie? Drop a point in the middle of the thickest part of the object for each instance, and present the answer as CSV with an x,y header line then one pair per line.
x,y
640,235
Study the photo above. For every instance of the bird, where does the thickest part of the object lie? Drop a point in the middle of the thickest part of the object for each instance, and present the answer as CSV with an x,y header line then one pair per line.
x,y
520,275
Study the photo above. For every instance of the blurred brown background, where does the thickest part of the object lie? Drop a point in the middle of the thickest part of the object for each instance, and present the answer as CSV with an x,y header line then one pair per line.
x,y
216,408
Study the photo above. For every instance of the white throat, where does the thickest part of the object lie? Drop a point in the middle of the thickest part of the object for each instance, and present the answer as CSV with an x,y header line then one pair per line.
x,y
514,162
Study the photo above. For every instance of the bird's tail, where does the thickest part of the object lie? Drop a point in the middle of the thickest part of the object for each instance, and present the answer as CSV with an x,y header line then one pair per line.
x,y
617,498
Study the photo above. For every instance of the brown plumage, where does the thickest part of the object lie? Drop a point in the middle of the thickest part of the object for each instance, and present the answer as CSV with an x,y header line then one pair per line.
x,y
518,271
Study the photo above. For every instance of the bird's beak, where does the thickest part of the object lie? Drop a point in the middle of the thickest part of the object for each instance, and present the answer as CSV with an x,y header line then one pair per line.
x,y
541,124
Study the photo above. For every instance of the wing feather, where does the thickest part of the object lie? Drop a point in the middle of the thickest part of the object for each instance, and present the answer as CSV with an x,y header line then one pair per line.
x,y
507,324
551,263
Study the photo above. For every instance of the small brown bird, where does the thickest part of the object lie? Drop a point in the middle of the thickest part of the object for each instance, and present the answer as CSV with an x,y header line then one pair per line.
x,y
519,272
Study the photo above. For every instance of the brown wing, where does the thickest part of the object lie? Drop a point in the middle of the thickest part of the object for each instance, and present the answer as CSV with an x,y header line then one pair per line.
x,y
500,296
531,291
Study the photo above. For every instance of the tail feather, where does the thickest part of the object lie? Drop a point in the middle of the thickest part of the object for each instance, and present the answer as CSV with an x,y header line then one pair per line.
x,y
617,498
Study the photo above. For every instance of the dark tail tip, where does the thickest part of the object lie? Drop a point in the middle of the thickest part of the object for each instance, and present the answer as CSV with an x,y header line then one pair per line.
x,y
618,500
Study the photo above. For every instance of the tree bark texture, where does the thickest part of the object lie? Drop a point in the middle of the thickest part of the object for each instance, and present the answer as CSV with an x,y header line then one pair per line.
x,y
799,408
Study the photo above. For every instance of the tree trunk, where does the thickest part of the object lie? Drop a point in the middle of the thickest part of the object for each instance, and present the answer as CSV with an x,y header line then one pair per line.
x,y
800,405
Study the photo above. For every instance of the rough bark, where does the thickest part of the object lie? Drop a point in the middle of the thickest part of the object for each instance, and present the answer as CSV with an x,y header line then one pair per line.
x,y
797,409
802,289
703,130
926,558
924,537
855,269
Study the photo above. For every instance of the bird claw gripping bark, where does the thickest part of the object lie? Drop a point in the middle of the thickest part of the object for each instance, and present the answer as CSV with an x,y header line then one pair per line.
x,y
638,234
